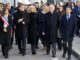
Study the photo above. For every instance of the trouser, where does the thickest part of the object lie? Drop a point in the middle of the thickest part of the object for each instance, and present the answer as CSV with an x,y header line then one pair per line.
x,y
22,45
67,47
5,50
12,38
59,43
42,38
33,48
78,27
53,45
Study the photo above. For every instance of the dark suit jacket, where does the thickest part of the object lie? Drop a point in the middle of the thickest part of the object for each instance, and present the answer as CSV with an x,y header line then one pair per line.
x,y
68,27
75,11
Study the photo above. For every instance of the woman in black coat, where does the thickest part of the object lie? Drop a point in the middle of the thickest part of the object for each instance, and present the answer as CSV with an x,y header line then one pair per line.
x,y
5,32
32,28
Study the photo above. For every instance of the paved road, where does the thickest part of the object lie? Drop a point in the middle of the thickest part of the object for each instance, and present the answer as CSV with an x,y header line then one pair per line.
x,y
40,55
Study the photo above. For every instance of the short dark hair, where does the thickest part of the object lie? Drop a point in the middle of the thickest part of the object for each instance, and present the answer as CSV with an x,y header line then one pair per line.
x,y
68,7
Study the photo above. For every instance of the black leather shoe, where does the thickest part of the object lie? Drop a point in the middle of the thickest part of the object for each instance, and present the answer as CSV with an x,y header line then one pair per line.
x,y
33,53
6,57
37,47
20,52
69,58
63,56
24,53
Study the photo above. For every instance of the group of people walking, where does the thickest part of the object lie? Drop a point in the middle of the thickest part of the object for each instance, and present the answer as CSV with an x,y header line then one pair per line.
x,y
55,25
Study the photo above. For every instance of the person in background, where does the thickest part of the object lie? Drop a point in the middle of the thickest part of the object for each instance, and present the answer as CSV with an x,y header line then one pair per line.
x,y
72,5
57,7
76,11
61,12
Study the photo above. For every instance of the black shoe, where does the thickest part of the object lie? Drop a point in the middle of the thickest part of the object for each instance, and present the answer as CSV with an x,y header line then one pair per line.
x,y
20,52
6,57
63,56
47,53
23,53
37,47
69,58
53,56
33,53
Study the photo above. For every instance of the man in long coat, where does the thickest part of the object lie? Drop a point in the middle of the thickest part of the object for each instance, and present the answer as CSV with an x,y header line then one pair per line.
x,y
52,23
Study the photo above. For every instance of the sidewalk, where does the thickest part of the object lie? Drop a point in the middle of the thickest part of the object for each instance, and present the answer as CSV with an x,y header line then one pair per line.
x,y
76,47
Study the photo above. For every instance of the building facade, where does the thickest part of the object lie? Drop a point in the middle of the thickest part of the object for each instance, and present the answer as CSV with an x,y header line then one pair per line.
x,y
14,2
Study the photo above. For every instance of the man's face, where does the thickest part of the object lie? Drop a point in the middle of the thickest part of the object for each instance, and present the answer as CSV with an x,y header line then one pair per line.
x,y
21,8
78,3
68,10
51,8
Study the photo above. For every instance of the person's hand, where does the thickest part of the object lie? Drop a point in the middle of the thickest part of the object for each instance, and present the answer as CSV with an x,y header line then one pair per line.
x,y
23,22
5,30
14,27
43,33
20,20
5,26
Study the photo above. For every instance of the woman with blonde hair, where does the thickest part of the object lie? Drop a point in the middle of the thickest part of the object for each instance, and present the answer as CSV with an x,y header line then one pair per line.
x,y
41,25
32,28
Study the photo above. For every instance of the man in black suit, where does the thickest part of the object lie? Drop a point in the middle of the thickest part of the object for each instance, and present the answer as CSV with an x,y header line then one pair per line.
x,y
68,28
51,27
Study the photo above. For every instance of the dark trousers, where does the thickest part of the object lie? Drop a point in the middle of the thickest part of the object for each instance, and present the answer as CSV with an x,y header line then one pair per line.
x,y
22,45
67,47
12,38
53,45
42,38
59,43
33,48
78,27
5,50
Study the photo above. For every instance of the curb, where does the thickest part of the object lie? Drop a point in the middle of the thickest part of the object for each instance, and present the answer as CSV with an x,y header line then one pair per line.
x,y
76,54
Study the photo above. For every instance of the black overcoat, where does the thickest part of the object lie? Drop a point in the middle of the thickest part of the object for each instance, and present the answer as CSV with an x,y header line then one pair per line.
x,y
5,37
52,24
32,28
21,31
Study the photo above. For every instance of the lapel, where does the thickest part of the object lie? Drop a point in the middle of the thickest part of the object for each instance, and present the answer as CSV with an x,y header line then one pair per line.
x,y
69,18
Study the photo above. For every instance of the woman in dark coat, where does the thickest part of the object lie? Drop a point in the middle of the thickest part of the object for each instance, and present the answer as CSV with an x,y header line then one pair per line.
x,y
61,12
32,28
5,32
20,22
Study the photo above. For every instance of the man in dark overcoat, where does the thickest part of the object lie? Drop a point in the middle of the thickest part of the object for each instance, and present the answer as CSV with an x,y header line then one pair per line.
x,y
51,27
68,28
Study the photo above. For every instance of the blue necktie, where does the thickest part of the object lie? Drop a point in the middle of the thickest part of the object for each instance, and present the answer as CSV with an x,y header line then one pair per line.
x,y
68,17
